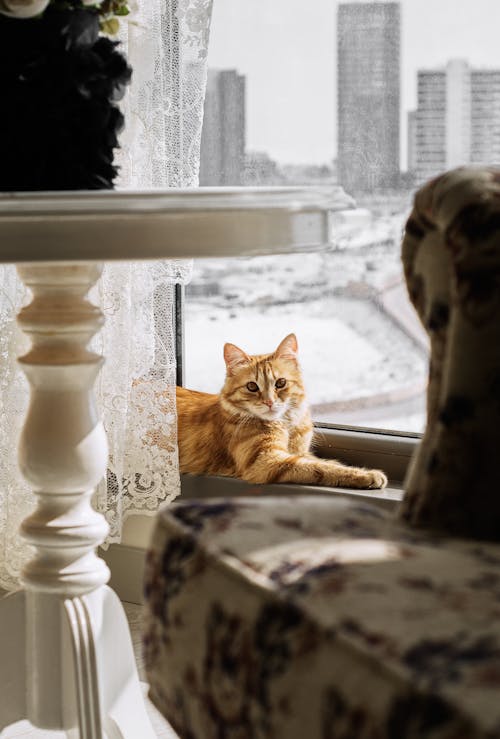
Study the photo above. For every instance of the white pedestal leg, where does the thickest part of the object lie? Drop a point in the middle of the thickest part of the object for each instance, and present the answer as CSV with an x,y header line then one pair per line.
x,y
68,661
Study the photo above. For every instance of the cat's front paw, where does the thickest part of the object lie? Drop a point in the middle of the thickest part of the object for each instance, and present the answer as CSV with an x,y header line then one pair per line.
x,y
377,479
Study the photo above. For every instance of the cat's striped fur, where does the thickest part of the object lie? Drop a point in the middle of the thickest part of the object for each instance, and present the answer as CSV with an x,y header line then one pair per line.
x,y
259,427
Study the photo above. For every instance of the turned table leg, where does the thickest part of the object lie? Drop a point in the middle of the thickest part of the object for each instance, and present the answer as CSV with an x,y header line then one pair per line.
x,y
66,637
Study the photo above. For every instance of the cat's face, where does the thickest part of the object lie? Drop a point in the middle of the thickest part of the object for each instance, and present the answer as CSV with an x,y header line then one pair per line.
x,y
265,385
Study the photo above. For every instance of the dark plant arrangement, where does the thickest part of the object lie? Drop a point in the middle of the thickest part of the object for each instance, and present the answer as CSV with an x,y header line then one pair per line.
x,y
60,80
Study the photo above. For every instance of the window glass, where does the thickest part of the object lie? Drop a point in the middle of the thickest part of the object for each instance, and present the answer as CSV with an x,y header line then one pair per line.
x,y
377,97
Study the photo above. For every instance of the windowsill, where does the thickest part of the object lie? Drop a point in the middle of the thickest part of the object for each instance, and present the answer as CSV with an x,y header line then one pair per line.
x,y
137,530
215,487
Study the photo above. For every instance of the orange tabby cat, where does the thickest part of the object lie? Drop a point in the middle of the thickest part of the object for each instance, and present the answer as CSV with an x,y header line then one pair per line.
x,y
259,427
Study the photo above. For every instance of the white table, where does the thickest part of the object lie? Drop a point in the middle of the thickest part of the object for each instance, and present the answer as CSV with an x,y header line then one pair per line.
x,y
67,660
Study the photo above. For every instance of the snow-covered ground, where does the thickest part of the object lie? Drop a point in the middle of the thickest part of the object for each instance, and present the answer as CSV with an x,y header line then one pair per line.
x,y
359,365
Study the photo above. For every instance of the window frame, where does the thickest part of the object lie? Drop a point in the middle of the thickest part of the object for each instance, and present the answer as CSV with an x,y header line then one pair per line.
x,y
356,445
363,447
179,323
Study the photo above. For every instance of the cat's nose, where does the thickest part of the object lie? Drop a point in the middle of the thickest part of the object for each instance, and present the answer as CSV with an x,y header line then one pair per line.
x,y
268,403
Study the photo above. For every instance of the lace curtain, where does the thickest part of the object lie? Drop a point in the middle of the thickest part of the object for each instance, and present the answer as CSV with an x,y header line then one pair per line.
x,y
166,43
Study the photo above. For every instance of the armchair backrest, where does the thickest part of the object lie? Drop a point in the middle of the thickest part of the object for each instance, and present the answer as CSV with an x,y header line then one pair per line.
x,y
451,258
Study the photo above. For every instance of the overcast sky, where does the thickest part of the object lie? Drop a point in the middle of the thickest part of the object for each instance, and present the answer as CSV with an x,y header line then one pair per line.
x,y
287,50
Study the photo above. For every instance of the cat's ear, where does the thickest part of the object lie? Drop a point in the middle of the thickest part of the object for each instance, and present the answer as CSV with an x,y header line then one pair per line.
x,y
234,358
288,349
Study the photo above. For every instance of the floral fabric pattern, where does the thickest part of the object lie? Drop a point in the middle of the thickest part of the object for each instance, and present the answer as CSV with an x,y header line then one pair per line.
x,y
310,616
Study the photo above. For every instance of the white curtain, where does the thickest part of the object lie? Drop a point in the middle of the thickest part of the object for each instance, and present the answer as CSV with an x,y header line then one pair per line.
x,y
166,43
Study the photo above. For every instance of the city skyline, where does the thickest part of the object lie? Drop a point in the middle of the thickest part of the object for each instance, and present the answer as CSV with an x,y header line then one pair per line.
x,y
288,56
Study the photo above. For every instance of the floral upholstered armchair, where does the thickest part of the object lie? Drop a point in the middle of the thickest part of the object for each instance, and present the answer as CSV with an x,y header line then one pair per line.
x,y
451,257
313,616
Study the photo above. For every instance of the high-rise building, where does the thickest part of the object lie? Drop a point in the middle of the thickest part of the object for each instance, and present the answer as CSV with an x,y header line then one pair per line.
x,y
457,120
458,113
368,50
485,117
412,140
430,124
222,156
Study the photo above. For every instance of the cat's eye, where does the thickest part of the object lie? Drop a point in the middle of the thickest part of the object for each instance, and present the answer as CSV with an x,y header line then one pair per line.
x,y
252,386
281,382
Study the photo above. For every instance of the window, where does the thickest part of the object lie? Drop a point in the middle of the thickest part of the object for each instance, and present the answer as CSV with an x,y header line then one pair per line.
x,y
294,97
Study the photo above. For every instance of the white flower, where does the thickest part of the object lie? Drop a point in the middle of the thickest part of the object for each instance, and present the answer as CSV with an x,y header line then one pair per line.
x,y
23,8
109,22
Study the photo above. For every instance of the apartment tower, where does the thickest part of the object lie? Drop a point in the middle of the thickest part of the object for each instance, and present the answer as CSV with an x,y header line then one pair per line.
x,y
457,121
368,50
222,156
